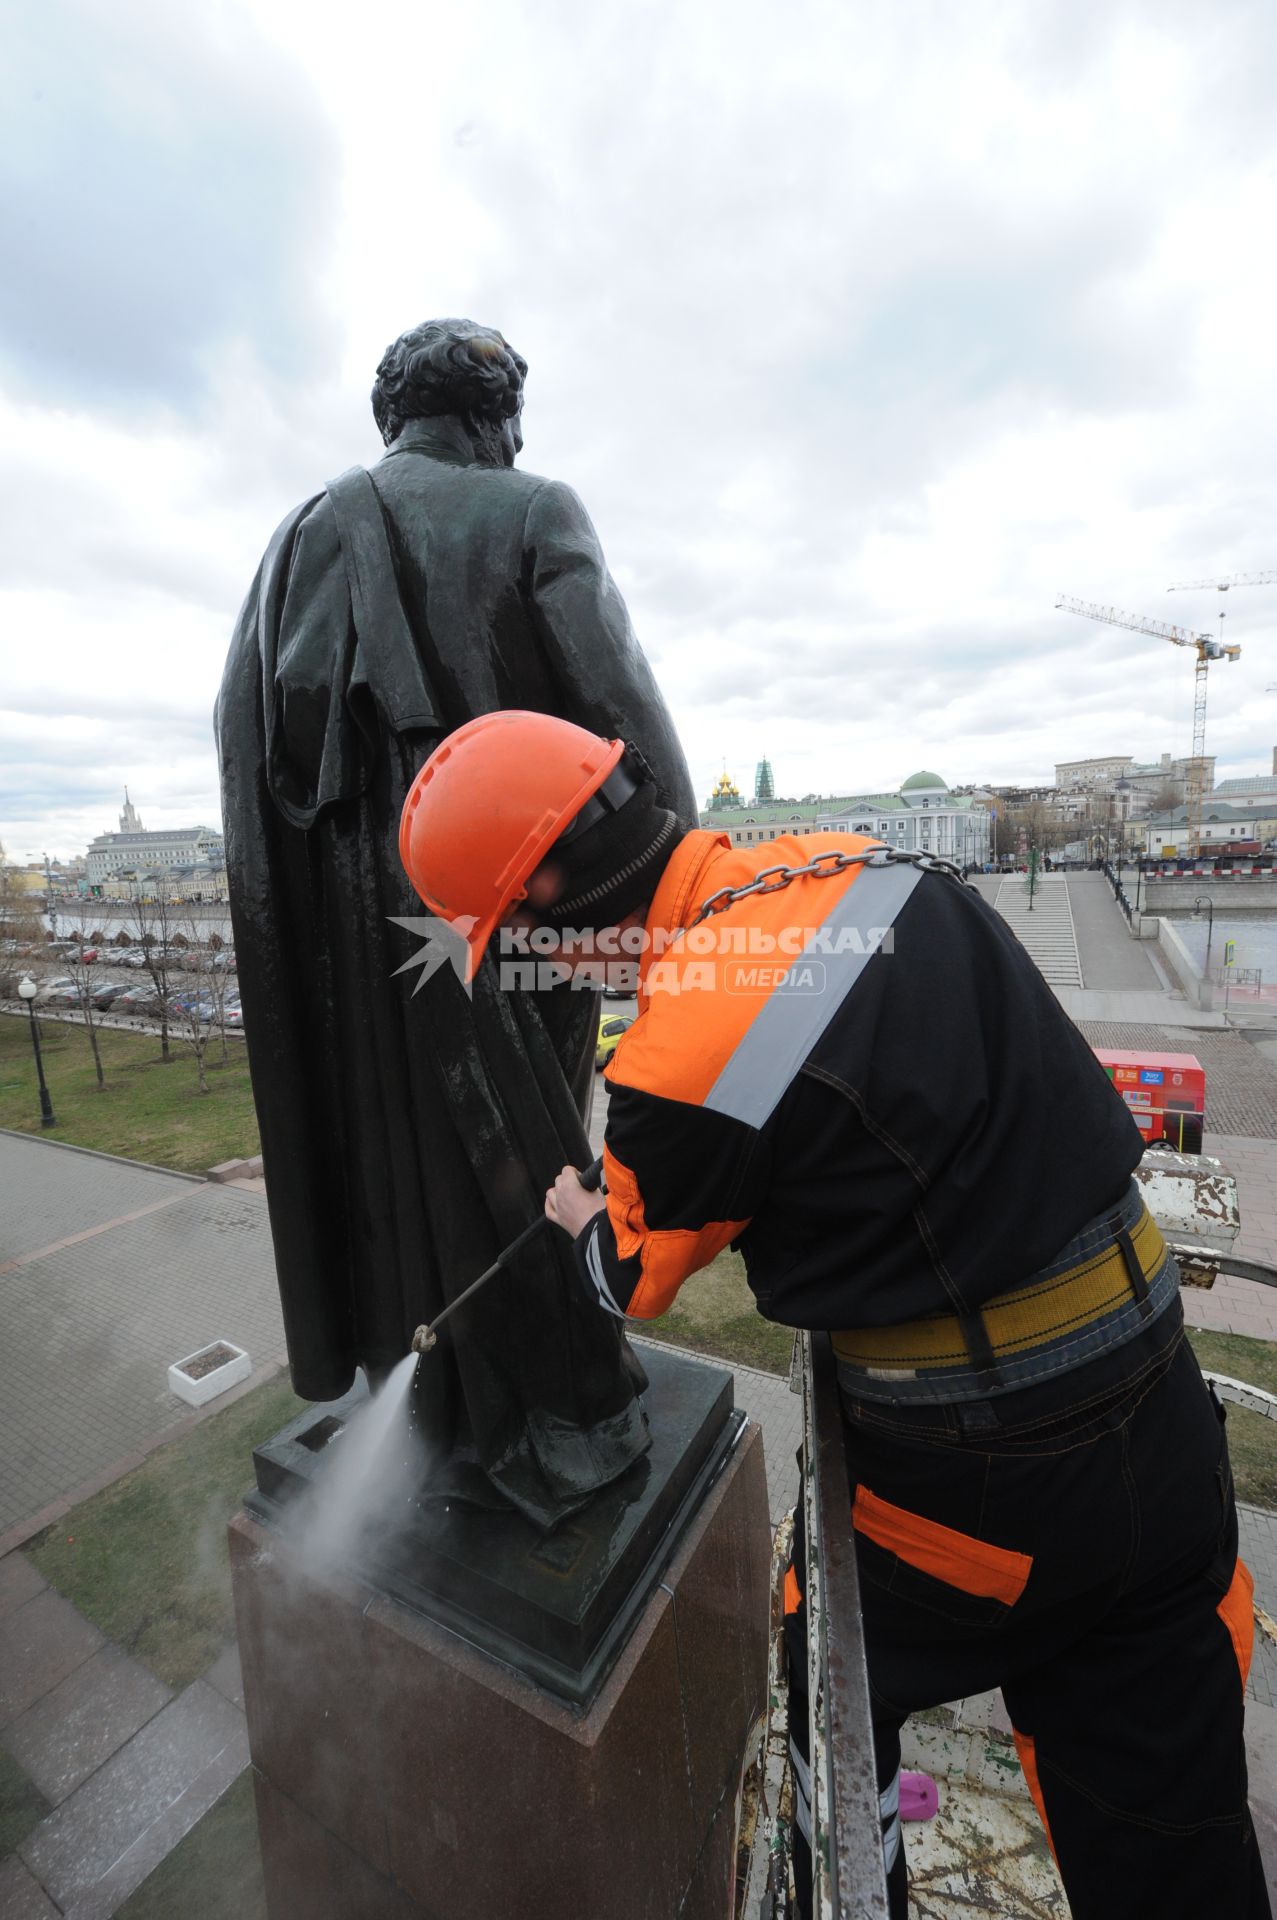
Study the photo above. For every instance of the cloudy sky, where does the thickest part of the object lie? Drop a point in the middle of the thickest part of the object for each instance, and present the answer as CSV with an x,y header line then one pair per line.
x,y
863,329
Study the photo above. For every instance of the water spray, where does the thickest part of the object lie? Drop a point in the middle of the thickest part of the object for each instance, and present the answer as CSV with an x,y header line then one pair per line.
x,y
426,1336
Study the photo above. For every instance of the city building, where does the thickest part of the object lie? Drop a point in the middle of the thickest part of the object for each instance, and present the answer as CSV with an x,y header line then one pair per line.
x,y
1250,789
190,858
925,815
1099,772
1162,836
726,795
1136,786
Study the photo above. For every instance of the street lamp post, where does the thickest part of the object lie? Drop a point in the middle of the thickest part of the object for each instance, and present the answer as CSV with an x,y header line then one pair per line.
x,y
1209,905
27,991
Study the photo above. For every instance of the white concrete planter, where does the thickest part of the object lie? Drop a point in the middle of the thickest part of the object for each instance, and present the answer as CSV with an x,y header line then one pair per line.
x,y
188,1380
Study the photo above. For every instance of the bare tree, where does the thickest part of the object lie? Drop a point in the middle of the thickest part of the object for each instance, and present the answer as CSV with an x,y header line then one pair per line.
x,y
200,1007
87,978
1041,829
22,935
153,923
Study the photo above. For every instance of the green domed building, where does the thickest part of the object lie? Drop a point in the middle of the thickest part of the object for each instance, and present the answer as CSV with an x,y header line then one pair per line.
x,y
922,816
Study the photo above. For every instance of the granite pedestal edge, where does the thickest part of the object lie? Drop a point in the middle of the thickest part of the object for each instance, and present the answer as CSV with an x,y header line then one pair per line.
x,y
403,1775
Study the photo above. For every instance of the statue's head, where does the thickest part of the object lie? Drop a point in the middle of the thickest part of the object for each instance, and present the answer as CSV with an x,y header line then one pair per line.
x,y
453,367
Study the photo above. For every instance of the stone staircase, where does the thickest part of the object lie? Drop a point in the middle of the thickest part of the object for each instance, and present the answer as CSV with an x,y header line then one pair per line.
x,y
1046,932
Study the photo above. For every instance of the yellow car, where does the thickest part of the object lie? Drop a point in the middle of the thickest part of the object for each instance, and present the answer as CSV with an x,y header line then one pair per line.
x,y
611,1027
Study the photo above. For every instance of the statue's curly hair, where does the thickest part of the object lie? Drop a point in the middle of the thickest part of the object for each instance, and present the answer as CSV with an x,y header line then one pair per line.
x,y
447,366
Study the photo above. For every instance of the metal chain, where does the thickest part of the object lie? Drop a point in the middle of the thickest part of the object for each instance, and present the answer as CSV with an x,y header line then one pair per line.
x,y
824,866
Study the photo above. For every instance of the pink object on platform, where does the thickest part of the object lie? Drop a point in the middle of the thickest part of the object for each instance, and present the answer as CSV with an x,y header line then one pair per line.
x,y
919,1799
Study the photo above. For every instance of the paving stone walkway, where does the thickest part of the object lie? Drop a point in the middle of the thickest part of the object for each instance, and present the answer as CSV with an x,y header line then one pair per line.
x,y
110,1271
119,1766
124,1768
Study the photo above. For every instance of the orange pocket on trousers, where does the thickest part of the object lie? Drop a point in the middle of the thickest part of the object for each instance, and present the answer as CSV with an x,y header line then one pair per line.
x,y
958,1559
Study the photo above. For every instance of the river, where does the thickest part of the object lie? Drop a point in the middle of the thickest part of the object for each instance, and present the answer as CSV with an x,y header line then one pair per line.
x,y
1254,936
109,918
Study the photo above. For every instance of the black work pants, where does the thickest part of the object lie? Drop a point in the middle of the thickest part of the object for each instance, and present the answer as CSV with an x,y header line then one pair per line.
x,y
1075,1544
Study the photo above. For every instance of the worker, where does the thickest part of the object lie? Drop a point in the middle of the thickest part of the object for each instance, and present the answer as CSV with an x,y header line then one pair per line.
x,y
848,1067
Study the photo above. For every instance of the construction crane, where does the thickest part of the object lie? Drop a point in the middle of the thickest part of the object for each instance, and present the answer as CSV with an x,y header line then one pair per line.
x,y
1222,586
1207,649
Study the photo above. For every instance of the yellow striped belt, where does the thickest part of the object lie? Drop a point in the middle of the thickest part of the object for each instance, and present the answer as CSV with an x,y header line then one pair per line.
x,y
1031,1316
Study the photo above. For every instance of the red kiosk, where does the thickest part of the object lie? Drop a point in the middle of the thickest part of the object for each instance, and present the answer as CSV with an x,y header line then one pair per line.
x,y
1166,1093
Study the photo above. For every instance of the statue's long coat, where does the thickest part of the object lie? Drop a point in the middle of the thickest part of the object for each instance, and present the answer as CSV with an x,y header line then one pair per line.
x,y
407,1138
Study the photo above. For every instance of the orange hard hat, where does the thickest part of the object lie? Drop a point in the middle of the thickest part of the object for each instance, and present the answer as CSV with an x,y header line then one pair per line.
x,y
487,807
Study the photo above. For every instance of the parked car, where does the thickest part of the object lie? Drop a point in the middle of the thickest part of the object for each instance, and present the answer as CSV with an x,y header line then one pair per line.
x,y
50,987
611,1027
105,992
195,1006
142,999
233,1014
68,996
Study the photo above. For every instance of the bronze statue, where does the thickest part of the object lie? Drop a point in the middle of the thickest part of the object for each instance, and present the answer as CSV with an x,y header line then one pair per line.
x,y
407,1137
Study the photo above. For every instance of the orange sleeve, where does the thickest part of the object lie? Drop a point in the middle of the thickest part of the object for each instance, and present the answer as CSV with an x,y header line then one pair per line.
x,y
666,1255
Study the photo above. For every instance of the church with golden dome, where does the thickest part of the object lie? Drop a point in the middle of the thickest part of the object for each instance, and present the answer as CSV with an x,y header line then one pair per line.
x,y
924,815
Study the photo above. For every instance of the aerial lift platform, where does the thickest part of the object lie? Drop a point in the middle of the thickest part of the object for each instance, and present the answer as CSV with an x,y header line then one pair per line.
x,y
984,1850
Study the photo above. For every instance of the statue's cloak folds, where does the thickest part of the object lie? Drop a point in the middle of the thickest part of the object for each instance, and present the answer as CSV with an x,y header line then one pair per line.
x,y
408,1137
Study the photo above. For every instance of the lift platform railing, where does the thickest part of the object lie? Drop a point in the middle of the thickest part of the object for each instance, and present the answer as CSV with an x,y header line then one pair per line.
x,y
848,1882
848,1878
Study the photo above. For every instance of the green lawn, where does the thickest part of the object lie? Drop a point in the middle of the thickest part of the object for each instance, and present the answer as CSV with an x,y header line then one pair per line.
x,y
22,1805
215,1873
715,1313
146,1559
148,1110
1252,1437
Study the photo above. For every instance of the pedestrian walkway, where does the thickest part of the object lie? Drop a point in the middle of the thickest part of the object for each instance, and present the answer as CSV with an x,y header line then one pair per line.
x,y
1043,923
1111,961
120,1766
110,1272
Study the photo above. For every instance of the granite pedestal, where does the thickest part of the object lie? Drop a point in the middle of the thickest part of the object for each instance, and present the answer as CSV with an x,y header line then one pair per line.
x,y
404,1774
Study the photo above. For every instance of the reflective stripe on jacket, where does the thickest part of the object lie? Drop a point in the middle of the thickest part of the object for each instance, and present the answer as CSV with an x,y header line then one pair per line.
x,y
863,1079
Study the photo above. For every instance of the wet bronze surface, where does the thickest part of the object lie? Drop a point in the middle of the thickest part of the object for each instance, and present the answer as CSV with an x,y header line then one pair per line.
x,y
555,1605
408,1137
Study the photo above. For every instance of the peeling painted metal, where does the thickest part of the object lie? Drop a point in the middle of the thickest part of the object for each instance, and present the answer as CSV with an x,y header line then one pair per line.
x,y
983,1853
848,1880
1193,1199
765,1886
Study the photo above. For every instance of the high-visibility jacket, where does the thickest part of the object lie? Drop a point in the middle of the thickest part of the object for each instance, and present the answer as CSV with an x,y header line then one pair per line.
x,y
863,1081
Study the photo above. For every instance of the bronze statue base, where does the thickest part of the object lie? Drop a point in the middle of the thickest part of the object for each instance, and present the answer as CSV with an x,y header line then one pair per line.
x,y
556,1607
401,1774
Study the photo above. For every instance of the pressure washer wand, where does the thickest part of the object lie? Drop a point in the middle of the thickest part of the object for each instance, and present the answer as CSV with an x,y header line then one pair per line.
x,y
425,1336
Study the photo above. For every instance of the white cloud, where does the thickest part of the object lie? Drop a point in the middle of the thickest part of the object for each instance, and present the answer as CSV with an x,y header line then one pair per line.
x,y
862,332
